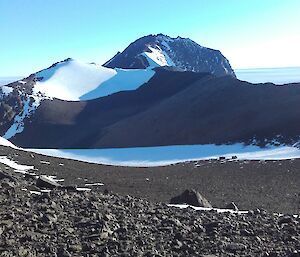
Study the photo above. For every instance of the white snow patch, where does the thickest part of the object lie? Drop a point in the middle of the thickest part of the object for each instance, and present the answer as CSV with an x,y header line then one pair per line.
x,y
94,184
5,142
45,162
184,206
124,80
83,189
74,81
45,190
35,192
157,57
17,167
166,155
52,178
60,180
68,80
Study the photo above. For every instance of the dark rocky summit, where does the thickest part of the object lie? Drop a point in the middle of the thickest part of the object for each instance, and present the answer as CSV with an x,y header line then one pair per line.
x,y
179,52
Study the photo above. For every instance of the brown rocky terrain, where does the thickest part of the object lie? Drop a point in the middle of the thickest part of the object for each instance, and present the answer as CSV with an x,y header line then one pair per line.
x,y
269,185
65,222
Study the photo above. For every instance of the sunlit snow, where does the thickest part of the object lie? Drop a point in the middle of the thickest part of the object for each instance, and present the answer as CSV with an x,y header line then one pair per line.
x,y
124,80
184,206
157,57
73,81
12,164
5,142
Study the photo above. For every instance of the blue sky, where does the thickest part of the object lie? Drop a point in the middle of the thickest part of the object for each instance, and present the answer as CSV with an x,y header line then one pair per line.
x,y
250,33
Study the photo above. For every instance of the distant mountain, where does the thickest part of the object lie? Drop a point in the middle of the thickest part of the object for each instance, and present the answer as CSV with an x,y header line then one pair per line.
x,y
161,50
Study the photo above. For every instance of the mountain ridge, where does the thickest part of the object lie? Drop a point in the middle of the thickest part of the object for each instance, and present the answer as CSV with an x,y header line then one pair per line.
x,y
77,105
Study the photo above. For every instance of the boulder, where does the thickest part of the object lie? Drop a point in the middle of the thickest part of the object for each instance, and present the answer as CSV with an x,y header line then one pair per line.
x,y
191,197
45,182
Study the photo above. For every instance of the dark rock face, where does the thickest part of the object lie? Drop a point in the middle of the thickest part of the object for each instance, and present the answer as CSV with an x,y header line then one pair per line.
x,y
181,52
13,103
191,197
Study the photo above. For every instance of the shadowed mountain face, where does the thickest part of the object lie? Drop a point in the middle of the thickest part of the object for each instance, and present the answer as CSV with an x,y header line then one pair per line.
x,y
162,50
172,108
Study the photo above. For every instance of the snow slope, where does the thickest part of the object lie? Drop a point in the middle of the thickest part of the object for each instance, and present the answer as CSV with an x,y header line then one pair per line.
x,y
5,142
165,155
74,81
123,80
12,164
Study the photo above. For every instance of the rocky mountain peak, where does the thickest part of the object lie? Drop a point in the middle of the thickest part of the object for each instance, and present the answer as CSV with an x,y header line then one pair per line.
x,y
161,50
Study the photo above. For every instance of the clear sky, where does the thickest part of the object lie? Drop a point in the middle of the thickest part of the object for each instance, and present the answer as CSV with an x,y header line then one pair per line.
x,y
250,33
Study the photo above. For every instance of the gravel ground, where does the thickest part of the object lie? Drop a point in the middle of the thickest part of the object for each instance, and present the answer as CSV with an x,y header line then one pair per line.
x,y
66,223
272,185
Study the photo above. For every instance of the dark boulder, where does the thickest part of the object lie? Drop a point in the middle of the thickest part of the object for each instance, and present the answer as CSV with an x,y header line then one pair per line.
x,y
45,182
191,197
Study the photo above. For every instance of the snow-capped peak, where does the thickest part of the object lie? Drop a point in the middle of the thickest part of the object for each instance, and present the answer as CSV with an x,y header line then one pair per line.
x,y
72,80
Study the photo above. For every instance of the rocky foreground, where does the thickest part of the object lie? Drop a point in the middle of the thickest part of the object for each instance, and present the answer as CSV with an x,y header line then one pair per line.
x,y
65,222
